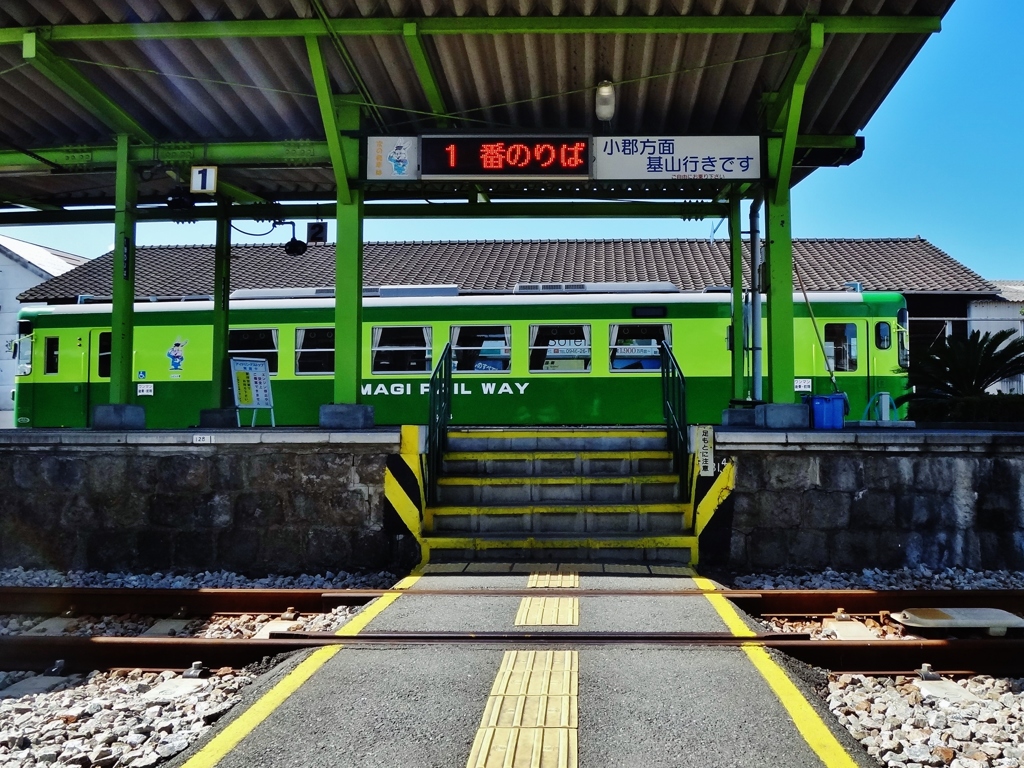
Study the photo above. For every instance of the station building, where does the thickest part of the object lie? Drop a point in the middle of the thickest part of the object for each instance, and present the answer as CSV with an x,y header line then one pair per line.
x,y
22,266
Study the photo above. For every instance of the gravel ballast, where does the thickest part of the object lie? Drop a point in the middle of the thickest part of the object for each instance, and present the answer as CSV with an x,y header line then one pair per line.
x,y
118,719
896,722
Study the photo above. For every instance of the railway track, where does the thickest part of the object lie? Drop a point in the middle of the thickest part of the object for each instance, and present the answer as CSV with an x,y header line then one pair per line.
x,y
995,656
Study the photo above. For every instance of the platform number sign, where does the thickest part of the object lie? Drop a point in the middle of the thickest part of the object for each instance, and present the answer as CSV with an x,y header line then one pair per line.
x,y
204,180
316,232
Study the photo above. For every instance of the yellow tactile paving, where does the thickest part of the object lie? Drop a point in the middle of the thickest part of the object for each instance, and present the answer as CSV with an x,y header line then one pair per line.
x,y
444,568
631,569
532,713
554,580
537,673
524,748
489,568
548,612
672,570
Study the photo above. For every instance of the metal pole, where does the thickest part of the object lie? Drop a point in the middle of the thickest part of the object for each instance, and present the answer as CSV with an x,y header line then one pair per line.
x,y
221,395
123,294
736,249
755,295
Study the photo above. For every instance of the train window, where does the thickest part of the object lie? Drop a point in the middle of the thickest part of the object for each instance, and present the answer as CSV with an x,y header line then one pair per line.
x,y
559,348
883,335
902,337
314,350
482,348
51,354
401,349
841,346
637,347
254,342
24,348
103,360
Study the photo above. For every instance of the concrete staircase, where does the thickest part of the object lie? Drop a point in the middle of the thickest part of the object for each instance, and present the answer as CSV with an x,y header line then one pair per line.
x,y
550,495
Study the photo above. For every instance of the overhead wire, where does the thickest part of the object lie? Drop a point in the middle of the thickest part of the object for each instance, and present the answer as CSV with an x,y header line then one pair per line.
x,y
376,107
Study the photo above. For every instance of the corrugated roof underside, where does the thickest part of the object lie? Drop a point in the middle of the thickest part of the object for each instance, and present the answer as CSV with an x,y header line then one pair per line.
x,y
260,89
907,265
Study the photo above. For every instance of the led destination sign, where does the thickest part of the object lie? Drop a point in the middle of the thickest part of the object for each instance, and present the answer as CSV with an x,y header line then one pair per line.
x,y
505,157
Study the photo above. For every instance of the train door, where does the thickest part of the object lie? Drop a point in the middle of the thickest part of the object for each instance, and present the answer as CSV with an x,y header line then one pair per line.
x,y
848,353
98,368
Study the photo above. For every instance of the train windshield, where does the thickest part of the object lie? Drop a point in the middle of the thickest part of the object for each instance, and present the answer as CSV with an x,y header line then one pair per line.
x,y
23,348
637,347
903,337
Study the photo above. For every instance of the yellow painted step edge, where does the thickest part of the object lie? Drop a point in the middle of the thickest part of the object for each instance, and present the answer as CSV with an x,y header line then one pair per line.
x,y
518,434
533,455
653,542
570,509
591,480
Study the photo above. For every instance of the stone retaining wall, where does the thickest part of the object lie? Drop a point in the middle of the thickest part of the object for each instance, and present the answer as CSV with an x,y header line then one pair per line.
x,y
251,502
875,499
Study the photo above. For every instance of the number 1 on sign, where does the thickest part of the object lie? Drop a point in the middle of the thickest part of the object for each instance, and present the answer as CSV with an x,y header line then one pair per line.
x,y
450,149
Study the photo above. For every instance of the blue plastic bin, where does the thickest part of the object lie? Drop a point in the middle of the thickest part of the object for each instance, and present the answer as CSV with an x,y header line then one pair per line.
x,y
827,411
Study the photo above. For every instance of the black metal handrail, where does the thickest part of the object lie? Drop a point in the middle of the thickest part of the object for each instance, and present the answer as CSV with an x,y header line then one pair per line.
x,y
439,419
673,391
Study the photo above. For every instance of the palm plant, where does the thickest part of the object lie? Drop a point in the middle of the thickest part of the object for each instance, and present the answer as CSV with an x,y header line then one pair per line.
x,y
966,367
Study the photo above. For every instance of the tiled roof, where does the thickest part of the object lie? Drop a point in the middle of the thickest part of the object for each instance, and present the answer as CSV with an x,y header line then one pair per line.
x,y
906,265
1011,290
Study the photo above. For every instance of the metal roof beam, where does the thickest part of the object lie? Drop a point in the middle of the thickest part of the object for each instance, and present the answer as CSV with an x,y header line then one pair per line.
x,y
40,56
325,99
273,211
794,103
420,62
245,154
488,25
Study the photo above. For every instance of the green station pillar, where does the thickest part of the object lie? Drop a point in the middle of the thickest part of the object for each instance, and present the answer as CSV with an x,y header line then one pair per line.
x,y
123,295
348,299
779,249
738,337
220,396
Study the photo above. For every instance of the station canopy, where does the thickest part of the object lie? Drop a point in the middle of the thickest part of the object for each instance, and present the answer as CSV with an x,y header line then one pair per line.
x,y
231,83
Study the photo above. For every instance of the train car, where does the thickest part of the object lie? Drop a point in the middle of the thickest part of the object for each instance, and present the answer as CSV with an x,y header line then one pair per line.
x,y
519,359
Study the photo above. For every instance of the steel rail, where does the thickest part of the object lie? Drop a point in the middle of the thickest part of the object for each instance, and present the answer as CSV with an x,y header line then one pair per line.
x,y
207,602
1000,657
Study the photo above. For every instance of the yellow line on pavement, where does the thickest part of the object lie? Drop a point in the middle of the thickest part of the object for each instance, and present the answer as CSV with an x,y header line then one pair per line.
x,y
810,725
221,744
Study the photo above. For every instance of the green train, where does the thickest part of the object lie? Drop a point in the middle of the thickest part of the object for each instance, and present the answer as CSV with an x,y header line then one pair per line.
x,y
519,359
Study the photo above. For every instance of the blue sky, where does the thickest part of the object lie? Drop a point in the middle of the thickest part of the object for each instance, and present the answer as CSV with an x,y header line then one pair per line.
x,y
943,161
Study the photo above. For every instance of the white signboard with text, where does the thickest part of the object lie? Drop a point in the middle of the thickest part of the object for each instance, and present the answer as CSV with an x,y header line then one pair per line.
x,y
676,157
250,379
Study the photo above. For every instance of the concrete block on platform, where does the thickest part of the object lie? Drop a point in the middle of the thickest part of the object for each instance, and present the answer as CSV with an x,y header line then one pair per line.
x,y
346,416
118,417
881,424
782,416
738,417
